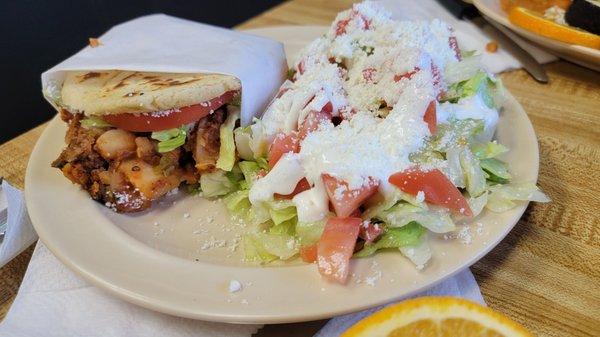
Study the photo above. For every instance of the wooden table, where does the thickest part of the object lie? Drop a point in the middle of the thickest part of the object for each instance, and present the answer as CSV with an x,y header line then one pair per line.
x,y
546,273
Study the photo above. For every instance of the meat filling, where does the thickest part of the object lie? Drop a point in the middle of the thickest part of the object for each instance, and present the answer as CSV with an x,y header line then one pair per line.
x,y
124,171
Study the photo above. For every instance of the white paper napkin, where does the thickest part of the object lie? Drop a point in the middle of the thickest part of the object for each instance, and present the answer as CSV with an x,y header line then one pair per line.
x,y
469,35
163,43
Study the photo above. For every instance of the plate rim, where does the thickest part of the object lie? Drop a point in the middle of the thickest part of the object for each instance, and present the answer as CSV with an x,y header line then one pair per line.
x,y
157,305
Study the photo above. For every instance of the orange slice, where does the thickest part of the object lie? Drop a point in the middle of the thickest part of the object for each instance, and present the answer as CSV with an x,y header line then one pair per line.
x,y
535,22
436,317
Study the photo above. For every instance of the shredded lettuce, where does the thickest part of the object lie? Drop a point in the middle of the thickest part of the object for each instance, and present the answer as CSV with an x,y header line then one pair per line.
x,y
501,197
169,140
436,219
94,122
254,250
227,150
458,131
310,232
477,203
481,83
287,227
242,137
249,170
237,202
418,254
474,175
453,170
217,183
461,71
264,246
488,150
497,170
409,235
281,210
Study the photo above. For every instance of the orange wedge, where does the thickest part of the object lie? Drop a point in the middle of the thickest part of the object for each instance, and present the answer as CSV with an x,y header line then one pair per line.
x,y
436,317
535,22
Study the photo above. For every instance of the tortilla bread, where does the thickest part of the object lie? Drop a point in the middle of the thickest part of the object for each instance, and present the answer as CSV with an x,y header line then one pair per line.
x,y
116,91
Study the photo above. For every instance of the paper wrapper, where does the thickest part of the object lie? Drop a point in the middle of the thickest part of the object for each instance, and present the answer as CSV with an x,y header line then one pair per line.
x,y
161,43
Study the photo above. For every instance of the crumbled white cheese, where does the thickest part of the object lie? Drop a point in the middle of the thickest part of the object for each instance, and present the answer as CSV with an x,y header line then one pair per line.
x,y
234,286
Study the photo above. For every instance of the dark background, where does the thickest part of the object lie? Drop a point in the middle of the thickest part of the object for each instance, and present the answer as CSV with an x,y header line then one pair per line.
x,y
39,34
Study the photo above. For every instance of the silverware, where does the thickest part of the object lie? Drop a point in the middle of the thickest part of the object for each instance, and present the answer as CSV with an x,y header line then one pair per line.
x,y
508,40
3,213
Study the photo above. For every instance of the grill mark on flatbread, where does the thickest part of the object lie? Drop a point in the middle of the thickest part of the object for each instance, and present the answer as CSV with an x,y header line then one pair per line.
x,y
171,83
122,82
120,91
89,75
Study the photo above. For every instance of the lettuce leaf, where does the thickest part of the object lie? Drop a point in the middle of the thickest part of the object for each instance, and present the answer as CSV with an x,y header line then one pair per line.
x,y
479,84
497,170
282,210
409,235
242,137
488,150
501,197
437,219
169,140
94,122
217,183
310,232
474,175
265,246
227,150
249,170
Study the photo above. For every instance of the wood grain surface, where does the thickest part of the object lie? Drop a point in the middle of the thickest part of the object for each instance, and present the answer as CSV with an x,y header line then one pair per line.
x,y
546,273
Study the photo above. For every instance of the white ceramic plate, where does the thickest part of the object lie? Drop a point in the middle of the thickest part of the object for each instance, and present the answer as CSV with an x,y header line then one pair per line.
x,y
180,257
581,55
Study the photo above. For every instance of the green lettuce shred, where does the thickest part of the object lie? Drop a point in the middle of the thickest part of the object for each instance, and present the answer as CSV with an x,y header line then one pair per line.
x,y
481,83
94,122
227,150
310,232
218,183
489,150
169,140
497,170
409,235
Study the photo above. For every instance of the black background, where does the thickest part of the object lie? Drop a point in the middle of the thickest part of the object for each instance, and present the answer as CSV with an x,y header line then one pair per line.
x,y
39,34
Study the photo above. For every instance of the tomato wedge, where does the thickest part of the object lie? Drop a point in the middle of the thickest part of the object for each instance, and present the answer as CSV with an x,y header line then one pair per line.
x,y
430,117
281,145
336,246
313,120
308,254
156,122
437,188
344,200
303,185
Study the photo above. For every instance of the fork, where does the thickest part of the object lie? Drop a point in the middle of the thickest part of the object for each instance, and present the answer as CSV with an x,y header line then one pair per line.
x,y
3,212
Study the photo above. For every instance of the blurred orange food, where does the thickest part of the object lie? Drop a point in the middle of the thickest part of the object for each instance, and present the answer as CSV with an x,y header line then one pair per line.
x,y
436,317
534,5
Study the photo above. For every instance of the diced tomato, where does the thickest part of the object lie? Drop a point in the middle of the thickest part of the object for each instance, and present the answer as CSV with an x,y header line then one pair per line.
x,y
344,200
356,214
312,122
303,185
336,246
301,67
281,145
178,117
408,75
437,80
369,231
340,27
309,253
454,45
430,117
328,108
368,74
435,185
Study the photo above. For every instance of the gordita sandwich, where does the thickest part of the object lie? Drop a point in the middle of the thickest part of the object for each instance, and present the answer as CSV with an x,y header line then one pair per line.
x,y
135,136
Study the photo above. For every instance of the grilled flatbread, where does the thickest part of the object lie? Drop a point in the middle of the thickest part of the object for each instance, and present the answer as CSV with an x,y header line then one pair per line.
x,y
116,91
